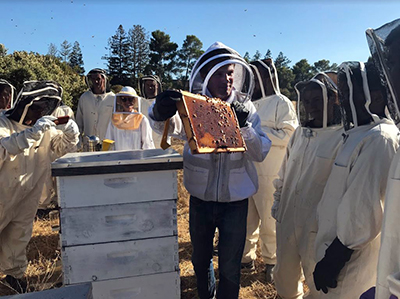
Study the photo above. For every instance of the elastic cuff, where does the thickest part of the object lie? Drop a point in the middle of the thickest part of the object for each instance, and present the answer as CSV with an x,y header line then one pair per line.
x,y
247,132
337,249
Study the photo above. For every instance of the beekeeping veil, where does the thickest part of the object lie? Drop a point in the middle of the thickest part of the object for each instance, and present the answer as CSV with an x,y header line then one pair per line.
x,y
308,109
353,74
122,118
143,80
89,82
266,78
215,57
49,94
384,44
3,85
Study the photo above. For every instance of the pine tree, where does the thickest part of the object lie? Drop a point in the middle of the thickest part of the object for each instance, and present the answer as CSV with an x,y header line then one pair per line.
x,y
139,52
302,71
118,61
52,51
3,50
257,56
323,66
162,56
188,54
65,50
76,59
268,54
285,75
282,61
247,57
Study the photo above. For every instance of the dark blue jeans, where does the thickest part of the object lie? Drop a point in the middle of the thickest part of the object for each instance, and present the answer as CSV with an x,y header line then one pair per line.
x,y
231,220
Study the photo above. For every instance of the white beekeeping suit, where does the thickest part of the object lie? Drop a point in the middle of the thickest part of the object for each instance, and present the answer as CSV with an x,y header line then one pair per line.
x,y
299,187
278,121
28,139
384,44
95,107
350,211
243,182
150,87
128,128
49,189
219,183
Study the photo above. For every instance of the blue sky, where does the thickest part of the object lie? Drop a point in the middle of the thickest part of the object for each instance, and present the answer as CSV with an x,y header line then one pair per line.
x,y
300,29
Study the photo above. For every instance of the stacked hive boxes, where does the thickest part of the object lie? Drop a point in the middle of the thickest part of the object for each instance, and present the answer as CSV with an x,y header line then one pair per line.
x,y
118,222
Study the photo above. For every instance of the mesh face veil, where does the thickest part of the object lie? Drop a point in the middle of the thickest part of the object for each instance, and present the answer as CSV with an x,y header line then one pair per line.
x,y
317,104
44,94
384,44
264,71
89,82
274,74
4,83
350,96
142,83
127,101
127,105
218,55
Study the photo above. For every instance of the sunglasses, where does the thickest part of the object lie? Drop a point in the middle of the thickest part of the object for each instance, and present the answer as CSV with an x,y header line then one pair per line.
x,y
126,99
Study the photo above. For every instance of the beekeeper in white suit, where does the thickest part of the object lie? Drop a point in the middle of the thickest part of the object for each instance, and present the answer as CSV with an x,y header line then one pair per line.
x,y
150,87
384,44
95,106
219,183
350,211
28,137
299,187
129,128
49,195
278,121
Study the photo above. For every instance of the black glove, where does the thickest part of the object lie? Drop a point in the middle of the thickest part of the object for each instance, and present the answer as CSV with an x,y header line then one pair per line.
x,y
242,113
327,270
370,294
165,105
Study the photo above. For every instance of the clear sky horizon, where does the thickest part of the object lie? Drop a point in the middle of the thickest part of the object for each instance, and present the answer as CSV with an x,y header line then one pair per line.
x,y
310,29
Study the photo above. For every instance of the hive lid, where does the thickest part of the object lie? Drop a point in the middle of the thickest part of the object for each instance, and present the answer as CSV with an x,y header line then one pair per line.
x,y
116,162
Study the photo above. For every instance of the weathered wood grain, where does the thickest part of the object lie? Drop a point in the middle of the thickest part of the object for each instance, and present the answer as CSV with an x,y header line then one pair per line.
x,y
119,259
106,189
123,222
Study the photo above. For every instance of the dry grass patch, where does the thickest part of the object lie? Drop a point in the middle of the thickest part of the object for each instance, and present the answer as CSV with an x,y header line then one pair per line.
x,y
44,267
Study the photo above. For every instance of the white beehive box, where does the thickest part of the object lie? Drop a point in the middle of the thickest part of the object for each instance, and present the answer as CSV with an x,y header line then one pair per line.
x,y
120,259
118,221
101,178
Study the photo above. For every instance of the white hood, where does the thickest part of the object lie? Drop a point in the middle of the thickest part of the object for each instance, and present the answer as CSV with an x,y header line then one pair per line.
x,y
216,56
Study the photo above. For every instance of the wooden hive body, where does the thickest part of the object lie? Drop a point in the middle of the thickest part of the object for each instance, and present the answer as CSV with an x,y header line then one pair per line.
x,y
118,229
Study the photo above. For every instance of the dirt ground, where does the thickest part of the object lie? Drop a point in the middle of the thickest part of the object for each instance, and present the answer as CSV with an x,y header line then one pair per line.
x,y
44,270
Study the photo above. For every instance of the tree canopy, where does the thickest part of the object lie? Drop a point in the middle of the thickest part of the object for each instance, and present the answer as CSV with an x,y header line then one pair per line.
x,y
133,53
118,62
187,56
138,51
162,56
22,66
